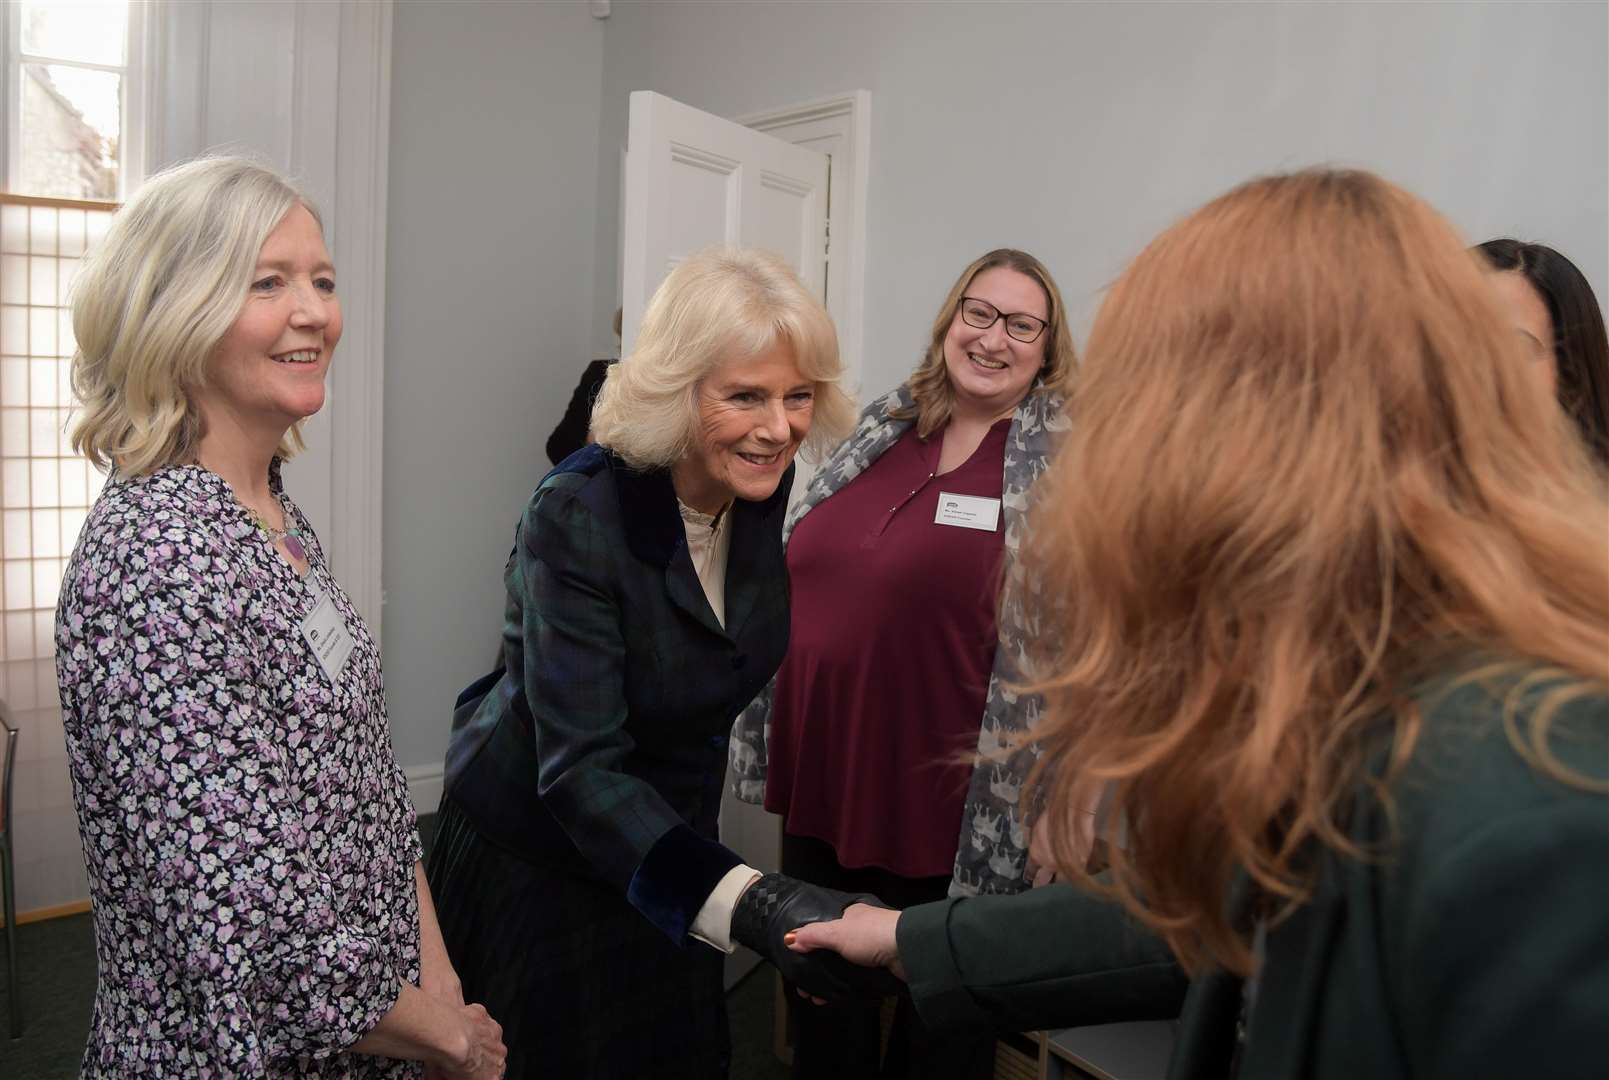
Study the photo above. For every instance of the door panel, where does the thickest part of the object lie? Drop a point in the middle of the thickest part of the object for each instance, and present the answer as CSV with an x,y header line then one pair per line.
x,y
693,179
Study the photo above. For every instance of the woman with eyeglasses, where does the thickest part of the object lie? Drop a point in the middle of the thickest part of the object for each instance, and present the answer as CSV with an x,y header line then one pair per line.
x,y
896,665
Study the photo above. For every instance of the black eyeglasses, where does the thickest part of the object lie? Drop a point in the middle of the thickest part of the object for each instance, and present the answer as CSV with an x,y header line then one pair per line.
x,y
1020,325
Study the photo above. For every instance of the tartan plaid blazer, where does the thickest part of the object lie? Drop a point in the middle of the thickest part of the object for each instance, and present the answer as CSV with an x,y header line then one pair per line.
x,y
600,748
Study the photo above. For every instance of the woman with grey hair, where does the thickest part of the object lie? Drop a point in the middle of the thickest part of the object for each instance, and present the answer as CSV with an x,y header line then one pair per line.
x,y
582,891
254,863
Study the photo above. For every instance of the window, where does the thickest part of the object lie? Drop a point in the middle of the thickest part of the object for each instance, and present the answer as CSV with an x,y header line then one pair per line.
x,y
73,97
45,489
71,101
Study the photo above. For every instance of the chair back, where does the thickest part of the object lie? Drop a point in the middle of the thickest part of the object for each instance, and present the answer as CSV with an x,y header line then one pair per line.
x,y
8,732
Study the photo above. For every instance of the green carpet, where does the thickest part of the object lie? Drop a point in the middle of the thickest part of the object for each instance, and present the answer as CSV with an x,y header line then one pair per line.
x,y
56,986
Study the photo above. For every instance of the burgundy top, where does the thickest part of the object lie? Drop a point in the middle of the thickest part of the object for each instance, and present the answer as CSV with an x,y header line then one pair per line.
x,y
879,700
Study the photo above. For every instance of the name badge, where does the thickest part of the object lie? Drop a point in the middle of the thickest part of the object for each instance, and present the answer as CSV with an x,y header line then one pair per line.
x,y
328,636
968,511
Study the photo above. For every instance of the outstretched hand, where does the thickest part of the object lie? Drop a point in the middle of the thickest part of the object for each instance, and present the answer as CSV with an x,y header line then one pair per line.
x,y
865,936
775,906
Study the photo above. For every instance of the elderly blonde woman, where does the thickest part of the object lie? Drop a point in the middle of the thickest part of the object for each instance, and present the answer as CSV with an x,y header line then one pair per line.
x,y
260,909
647,604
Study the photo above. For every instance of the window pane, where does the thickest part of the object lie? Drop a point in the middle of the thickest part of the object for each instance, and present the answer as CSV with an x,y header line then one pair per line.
x,y
74,490
14,331
71,125
47,590
14,229
45,427
18,535
14,279
72,522
19,637
14,482
13,381
94,31
46,476
46,538
70,234
42,280
42,331
19,585
66,340
42,377
14,432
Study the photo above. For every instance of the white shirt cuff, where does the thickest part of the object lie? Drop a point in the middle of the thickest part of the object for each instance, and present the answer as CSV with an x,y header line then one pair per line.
x,y
713,926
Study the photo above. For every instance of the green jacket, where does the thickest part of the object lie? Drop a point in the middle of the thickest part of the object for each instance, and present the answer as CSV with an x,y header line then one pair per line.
x,y
1477,947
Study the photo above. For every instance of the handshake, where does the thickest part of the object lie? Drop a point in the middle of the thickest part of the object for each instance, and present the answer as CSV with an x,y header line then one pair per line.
x,y
776,905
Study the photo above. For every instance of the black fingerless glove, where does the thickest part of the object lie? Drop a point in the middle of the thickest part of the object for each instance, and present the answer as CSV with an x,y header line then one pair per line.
x,y
778,904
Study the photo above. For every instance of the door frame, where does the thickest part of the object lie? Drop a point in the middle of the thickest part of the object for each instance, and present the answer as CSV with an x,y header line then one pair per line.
x,y
847,114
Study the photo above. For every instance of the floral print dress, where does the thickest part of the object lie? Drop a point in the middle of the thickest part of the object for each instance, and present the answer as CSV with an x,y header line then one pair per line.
x,y
249,835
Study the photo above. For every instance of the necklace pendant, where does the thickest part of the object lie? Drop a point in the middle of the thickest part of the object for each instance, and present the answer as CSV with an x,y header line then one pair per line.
x,y
293,545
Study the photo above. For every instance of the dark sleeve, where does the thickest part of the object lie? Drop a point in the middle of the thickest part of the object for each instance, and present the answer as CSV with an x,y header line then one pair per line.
x,y
1507,958
571,434
1051,957
575,671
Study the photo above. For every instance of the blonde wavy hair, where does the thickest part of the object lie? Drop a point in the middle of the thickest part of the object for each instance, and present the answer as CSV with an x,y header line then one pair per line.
x,y
155,297
1307,473
719,303
932,395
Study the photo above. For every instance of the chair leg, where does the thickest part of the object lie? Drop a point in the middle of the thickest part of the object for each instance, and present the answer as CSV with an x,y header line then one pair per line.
x,y
8,886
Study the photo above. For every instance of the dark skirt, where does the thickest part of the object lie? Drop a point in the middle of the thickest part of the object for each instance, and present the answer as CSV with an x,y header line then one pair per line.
x,y
584,986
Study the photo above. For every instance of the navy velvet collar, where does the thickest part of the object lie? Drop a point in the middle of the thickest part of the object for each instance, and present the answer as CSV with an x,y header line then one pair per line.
x,y
653,524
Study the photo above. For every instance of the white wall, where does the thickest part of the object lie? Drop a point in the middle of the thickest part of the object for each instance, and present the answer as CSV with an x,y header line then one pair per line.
x,y
1077,131
493,204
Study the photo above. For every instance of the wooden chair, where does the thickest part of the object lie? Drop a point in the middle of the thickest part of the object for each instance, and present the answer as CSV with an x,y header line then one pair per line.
x,y
8,891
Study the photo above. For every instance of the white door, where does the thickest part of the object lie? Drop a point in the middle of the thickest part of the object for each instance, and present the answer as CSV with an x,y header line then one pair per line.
x,y
692,180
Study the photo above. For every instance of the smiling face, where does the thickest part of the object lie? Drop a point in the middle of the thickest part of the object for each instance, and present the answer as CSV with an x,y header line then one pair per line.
x,y
1529,314
990,371
753,412
268,370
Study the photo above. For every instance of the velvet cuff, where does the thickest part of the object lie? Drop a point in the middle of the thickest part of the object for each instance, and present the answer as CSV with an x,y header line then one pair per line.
x,y
674,879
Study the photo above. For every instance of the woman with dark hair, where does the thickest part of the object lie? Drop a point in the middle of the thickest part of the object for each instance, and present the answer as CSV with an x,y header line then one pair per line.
x,y
1553,306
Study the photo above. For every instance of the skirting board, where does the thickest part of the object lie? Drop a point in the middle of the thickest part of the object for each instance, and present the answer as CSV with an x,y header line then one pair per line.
x,y
424,787
76,907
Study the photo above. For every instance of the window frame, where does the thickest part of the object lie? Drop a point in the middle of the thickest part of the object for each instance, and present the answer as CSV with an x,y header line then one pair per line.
x,y
134,128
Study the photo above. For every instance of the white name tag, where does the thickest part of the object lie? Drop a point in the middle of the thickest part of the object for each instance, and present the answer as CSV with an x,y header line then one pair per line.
x,y
968,511
326,632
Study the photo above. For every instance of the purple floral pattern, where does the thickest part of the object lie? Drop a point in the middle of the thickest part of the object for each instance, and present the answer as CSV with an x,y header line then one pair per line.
x,y
249,835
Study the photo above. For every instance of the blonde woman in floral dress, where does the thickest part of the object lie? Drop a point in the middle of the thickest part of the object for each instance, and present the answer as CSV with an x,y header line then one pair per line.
x,y
260,910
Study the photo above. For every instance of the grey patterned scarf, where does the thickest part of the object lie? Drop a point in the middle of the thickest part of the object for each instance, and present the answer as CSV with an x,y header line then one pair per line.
x,y
992,854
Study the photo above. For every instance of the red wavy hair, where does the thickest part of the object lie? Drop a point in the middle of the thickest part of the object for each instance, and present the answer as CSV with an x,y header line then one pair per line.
x,y
1304,474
